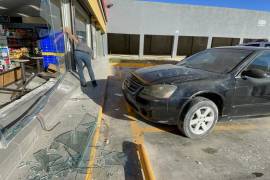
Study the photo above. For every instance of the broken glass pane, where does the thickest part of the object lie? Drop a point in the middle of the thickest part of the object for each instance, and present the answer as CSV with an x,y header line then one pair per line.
x,y
9,131
64,155
68,153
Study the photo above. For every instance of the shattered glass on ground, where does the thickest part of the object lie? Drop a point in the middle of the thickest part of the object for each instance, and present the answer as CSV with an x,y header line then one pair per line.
x,y
68,153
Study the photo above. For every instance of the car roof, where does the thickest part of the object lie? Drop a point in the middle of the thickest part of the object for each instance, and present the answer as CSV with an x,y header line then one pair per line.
x,y
243,48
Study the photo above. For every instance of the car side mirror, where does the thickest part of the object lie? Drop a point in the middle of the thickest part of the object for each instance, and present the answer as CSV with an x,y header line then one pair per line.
x,y
255,73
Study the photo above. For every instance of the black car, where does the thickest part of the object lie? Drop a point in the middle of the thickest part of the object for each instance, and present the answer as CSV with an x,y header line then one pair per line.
x,y
218,83
257,44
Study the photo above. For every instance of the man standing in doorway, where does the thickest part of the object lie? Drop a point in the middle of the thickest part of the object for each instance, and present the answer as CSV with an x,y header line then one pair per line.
x,y
83,55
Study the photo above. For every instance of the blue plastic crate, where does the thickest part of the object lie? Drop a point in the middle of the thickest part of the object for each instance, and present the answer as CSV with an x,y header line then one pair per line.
x,y
48,45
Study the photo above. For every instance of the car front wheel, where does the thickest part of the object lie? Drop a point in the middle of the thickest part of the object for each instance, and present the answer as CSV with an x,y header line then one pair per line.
x,y
200,118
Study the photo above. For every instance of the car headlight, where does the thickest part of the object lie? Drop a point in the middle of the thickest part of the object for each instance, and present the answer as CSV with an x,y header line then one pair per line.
x,y
159,90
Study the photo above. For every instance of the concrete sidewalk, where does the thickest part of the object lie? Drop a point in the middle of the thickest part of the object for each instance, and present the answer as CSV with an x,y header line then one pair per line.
x,y
116,136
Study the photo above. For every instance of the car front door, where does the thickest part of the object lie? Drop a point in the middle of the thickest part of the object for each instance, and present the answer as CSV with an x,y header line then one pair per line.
x,y
252,94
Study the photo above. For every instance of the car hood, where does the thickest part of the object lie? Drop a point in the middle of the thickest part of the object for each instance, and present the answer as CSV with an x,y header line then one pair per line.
x,y
169,73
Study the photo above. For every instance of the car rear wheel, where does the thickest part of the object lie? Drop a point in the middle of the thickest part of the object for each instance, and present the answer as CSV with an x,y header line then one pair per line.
x,y
200,118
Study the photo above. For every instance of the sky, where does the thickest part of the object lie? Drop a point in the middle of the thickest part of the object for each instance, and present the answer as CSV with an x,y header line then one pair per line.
x,y
261,5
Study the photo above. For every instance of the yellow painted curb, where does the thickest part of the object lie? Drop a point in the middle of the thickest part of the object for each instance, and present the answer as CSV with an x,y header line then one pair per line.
x,y
145,163
89,173
138,137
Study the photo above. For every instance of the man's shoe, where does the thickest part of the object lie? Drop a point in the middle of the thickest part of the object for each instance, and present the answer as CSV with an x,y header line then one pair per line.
x,y
83,84
94,83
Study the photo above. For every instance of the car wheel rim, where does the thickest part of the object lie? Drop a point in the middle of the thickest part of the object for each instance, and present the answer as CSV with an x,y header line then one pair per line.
x,y
202,120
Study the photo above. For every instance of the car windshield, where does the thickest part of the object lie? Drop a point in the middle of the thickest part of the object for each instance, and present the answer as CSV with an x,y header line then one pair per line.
x,y
216,60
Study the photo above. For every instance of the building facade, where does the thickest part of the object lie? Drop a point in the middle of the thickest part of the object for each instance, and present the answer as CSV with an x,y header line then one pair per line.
x,y
38,24
152,28
32,31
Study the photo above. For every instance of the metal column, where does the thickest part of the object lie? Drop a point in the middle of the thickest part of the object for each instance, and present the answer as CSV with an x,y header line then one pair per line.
x,y
94,38
174,46
241,41
66,19
141,48
88,34
209,42
105,44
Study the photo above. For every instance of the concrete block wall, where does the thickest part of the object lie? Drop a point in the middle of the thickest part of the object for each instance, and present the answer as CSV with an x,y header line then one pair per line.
x,y
217,41
123,43
222,26
157,45
188,45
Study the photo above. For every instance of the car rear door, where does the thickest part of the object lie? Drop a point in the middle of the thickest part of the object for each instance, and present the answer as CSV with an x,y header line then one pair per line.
x,y
267,45
252,95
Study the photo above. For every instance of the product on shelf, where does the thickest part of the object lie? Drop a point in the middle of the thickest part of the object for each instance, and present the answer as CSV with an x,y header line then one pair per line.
x,y
18,53
15,53
4,54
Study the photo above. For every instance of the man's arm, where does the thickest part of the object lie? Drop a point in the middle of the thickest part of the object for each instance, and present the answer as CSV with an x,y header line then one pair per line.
x,y
70,35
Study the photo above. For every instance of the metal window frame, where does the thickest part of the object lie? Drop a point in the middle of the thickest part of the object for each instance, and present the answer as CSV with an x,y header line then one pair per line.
x,y
77,8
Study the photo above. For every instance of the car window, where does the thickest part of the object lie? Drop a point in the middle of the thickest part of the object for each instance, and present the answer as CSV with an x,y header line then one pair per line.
x,y
255,45
261,62
217,60
267,45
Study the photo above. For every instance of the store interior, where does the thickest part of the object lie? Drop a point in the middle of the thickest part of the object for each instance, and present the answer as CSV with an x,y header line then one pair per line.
x,y
31,46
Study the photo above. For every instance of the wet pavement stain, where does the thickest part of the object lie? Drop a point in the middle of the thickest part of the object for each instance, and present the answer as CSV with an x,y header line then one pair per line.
x,y
210,150
257,174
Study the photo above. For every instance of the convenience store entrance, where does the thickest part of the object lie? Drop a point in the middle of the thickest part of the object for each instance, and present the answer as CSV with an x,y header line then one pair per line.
x,y
81,25
31,46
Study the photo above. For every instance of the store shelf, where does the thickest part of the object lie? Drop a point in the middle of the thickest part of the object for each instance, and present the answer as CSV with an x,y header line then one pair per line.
x,y
10,76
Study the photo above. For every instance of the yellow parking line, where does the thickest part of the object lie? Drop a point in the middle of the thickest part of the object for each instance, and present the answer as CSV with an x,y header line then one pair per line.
x,y
152,129
135,128
234,127
155,129
219,127
145,161
92,155
138,137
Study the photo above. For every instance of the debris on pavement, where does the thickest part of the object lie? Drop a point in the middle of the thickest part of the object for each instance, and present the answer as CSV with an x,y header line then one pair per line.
x,y
68,153
118,94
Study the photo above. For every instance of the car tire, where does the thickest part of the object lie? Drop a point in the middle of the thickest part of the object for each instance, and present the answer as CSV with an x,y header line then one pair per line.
x,y
199,119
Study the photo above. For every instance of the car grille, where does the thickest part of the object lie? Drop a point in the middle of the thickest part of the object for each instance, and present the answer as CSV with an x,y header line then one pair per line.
x,y
133,84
